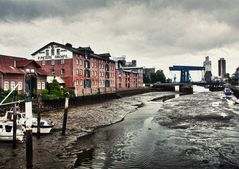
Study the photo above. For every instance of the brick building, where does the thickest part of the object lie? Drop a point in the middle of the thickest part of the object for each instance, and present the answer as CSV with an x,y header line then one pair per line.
x,y
14,70
82,70
128,78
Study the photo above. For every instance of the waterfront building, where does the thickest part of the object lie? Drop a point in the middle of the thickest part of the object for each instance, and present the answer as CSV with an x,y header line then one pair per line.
x,y
22,71
221,67
82,70
208,72
128,78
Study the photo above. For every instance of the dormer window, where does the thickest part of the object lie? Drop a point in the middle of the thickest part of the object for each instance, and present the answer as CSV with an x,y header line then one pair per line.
x,y
52,51
47,52
58,51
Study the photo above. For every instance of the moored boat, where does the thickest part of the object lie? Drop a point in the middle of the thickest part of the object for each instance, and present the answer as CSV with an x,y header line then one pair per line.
x,y
227,91
45,125
6,132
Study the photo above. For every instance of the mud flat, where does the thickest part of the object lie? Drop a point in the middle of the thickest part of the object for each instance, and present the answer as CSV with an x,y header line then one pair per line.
x,y
56,151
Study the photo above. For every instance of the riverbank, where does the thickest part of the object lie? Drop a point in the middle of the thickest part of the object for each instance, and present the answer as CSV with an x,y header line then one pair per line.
x,y
56,151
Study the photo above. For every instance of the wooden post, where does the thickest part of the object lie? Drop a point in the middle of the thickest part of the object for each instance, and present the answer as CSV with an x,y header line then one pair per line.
x,y
29,153
14,126
38,116
38,124
65,116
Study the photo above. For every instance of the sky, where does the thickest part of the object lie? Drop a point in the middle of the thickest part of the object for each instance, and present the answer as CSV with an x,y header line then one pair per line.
x,y
156,33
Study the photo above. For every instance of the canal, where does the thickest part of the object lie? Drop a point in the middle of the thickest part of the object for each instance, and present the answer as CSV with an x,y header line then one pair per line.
x,y
191,131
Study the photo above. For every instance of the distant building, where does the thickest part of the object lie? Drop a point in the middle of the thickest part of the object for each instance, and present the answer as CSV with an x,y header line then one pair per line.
x,y
82,70
22,71
208,72
148,72
128,77
221,67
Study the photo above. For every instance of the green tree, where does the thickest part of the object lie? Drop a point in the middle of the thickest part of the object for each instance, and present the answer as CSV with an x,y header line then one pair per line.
x,y
146,79
158,77
55,91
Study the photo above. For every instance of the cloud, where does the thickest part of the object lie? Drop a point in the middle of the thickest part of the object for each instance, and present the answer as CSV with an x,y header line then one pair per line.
x,y
155,32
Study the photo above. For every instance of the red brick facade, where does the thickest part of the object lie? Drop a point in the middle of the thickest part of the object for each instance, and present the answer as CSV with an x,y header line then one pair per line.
x,y
14,70
81,69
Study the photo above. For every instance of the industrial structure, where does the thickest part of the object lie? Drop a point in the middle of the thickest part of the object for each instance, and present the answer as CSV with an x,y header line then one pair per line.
x,y
184,71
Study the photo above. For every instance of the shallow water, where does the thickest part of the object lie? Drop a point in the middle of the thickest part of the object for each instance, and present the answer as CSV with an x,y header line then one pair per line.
x,y
193,131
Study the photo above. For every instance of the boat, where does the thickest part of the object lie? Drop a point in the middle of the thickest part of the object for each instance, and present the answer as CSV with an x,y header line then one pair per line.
x,y
45,125
6,132
227,91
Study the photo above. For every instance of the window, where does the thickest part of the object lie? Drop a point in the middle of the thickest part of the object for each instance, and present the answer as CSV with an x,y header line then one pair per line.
x,y
12,84
62,71
43,62
77,71
6,85
80,62
47,52
77,82
19,86
92,73
81,71
52,71
81,82
58,51
92,64
14,63
52,62
62,61
38,85
52,51
77,61
42,85
87,83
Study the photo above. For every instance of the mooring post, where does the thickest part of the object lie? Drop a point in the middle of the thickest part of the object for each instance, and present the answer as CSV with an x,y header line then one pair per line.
x,y
29,150
38,117
65,115
14,126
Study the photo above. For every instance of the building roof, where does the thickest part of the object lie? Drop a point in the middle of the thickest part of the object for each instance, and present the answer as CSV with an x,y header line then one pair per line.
x,y
10,69
24,63
40,71
13,64
79,50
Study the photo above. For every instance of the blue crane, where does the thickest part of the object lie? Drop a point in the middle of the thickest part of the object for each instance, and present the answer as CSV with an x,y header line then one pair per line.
x,y
185,75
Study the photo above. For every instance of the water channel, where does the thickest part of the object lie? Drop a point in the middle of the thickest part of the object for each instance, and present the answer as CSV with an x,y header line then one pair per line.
x,y
192,131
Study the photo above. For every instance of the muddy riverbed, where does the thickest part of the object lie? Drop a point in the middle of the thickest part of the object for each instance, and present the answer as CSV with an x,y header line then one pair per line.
x,y
56,151
194,131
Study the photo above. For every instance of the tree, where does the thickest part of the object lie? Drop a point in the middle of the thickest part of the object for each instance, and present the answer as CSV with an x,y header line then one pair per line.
x,y
54,91
158,77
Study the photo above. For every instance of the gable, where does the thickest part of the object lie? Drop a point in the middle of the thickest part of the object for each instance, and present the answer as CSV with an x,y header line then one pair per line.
x,y
52,51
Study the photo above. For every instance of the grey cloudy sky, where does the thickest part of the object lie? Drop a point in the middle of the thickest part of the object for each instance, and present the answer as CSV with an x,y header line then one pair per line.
x,y
157,33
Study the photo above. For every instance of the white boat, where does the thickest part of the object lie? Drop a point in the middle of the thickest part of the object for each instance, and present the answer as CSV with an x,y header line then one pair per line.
x,y
6,132
45,126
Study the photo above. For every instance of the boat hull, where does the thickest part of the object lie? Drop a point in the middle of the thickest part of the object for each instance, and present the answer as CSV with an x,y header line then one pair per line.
x,y
43,129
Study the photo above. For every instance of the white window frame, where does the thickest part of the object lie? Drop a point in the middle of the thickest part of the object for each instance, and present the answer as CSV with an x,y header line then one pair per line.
x,y
12,84
19,85
6,85
39,85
